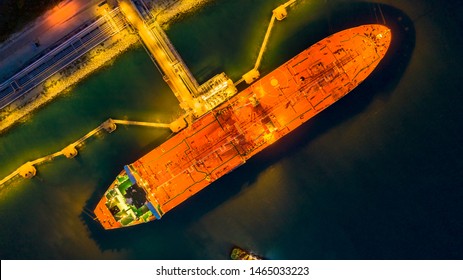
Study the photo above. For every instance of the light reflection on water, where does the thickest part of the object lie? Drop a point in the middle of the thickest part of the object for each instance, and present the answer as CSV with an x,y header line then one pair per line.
x,y
307,197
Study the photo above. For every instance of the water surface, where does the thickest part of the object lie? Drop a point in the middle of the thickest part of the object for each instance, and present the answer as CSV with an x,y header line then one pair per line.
x,y
375,176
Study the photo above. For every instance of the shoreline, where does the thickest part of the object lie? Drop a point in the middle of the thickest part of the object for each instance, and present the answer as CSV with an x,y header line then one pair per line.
x,y
97,58
176,10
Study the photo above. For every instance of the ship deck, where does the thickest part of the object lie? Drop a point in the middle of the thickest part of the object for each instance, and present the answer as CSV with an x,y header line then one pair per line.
x,y
226,137
267,110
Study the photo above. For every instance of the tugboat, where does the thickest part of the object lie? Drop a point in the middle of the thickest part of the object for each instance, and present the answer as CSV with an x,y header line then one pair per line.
x,y
238,253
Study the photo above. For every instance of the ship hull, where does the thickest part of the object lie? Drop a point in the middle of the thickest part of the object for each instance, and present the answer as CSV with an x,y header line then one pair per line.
x,y
241,127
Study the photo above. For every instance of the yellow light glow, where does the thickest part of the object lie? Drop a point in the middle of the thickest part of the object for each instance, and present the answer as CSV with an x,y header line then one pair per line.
x,y
61,14
269,137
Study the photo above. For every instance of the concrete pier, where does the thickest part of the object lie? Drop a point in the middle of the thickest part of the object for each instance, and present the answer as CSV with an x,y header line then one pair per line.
x,y
109,125
28,169
70,151
196,100
174,71
280,13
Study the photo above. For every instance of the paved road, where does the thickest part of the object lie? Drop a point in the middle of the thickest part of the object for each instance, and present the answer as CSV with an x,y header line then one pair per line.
x,y
17,51
58,58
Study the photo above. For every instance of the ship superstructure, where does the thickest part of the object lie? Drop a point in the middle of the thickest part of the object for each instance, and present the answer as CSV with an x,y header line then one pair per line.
x,y
226,137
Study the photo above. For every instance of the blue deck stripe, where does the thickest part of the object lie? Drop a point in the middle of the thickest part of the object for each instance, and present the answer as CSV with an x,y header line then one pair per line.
x,y
129,173
153,210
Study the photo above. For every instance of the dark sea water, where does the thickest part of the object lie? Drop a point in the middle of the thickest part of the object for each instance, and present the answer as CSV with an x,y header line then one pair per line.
x,y
378,175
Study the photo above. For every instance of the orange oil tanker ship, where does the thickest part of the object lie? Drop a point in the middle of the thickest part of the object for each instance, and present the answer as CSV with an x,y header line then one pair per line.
x,y
241,127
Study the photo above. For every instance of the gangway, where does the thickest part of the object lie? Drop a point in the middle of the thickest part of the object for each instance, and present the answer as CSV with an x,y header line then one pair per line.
x,y
279,13
28,169
158,125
